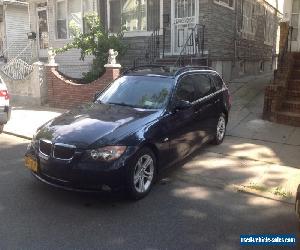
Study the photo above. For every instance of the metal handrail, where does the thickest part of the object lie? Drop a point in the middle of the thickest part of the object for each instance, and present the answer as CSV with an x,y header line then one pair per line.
x,y
153,50
193,43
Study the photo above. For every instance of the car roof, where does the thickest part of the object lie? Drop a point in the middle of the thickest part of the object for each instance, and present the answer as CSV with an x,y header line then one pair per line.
x,y
165,71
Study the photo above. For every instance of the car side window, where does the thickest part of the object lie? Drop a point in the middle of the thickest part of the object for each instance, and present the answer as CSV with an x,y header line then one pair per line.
x,y
203,85
218,81
186,89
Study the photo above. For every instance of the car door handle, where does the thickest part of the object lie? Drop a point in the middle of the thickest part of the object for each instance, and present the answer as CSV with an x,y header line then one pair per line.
x,y
216,101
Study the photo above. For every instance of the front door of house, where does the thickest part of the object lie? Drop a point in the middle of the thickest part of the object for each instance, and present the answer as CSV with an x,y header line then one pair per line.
x,y
184,19
42,32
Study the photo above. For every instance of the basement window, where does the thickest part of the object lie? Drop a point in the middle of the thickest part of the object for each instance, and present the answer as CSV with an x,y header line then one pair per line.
x,y
261,66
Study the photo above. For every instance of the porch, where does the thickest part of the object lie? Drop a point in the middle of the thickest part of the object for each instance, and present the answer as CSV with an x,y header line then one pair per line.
x,y
165,31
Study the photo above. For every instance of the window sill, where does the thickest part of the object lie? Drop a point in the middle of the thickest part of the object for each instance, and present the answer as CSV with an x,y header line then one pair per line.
x,y
268,43
224,5
135,33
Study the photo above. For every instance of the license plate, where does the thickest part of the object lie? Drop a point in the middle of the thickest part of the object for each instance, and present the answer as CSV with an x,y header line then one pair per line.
x,y
31,163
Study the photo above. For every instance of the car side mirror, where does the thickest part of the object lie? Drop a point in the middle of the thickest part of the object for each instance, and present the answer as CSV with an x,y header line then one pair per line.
x,y
97,95
181,105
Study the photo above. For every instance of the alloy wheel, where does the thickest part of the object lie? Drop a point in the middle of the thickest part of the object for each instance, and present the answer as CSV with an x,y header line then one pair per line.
x,y
221,128
143,173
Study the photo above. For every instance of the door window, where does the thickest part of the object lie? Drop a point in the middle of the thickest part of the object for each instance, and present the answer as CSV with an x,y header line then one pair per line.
x,y
186,89
203,85
43,29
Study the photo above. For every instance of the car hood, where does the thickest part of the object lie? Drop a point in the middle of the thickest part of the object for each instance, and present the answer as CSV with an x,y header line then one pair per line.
x,y
89,123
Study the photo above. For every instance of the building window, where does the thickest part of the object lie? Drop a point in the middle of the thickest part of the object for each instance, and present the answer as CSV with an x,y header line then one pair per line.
x,y
248,17
270,26
295,19
69,16
226,3
133,15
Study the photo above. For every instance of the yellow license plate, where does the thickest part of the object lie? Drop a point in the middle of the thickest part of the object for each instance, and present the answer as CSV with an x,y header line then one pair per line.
x,y
31,163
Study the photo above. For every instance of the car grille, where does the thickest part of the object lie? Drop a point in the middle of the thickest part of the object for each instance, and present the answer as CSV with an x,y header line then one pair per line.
x,y
57,150
63,151
45,147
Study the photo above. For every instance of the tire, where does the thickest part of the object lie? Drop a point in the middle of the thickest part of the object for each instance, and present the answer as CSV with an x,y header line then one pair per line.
x,y
1,128
140,182
220,130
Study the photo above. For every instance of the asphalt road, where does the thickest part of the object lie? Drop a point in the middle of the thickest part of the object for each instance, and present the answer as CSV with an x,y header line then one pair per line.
x,y
176,215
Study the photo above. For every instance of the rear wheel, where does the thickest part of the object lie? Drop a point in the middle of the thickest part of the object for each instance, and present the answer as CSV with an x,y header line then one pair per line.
x,y
220,130
141,174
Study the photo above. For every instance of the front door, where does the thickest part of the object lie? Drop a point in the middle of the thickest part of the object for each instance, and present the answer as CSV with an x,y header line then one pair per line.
x,y
42,32
184,19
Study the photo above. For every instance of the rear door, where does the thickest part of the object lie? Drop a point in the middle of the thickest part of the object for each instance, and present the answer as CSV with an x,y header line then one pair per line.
x,y
205,106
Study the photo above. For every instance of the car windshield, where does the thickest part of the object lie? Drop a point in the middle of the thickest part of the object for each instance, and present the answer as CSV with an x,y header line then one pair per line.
x,y
145,92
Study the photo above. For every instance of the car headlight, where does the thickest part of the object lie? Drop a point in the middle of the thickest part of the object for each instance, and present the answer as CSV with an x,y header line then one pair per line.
x,y
109,153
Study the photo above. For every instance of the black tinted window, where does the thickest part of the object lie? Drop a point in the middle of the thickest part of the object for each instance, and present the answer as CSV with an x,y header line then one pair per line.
x,y
218,82
186,89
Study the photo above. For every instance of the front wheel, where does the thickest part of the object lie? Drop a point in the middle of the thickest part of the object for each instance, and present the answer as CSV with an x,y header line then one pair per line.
x,y
141,174
220,130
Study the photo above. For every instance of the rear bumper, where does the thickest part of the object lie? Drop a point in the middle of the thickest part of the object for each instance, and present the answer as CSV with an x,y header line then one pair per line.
x,y
5,114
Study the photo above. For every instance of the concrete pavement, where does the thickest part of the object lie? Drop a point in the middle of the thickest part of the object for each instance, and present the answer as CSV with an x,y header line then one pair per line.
x,y
263,156
177,214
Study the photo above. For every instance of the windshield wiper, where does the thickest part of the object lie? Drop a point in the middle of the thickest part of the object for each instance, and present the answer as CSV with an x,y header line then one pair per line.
x,y
121,104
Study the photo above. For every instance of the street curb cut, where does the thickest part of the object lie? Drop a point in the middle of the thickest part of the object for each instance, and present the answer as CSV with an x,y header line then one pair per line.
x,y
17,135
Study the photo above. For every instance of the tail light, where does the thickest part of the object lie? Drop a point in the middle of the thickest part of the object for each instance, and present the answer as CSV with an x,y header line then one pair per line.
x,y
4,93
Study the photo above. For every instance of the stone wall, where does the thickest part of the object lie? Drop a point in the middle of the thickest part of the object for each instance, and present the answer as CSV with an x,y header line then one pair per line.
x,y
66,94
29,91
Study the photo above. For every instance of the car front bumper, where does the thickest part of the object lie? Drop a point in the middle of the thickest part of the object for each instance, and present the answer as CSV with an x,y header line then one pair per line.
x,y
78,175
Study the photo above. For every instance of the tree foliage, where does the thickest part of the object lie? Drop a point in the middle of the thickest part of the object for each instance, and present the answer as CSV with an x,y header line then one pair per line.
x,y
95,41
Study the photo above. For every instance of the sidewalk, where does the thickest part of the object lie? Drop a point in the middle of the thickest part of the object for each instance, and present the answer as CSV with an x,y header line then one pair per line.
x,y
257,156
25,121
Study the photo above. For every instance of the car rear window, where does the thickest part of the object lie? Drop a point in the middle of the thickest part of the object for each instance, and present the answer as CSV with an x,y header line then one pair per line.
x,y
218,81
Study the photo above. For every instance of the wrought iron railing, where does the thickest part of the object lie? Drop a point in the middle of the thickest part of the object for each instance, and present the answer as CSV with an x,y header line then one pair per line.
x,y
153,50
193,46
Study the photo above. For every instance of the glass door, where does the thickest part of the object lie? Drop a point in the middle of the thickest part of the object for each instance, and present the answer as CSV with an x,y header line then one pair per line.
x,y
184,20
42,32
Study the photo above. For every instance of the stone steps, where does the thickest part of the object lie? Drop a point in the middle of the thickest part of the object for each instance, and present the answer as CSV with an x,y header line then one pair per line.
x,y
292,106
288,118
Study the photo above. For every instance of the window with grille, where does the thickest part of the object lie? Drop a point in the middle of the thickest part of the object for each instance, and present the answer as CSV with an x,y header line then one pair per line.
x,y
69,16
295,19
133,15
248,16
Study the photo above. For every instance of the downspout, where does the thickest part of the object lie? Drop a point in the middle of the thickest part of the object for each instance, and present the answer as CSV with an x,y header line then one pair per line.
x,y
236,32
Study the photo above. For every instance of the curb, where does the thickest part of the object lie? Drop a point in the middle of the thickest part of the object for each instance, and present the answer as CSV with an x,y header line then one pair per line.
x,y
17,135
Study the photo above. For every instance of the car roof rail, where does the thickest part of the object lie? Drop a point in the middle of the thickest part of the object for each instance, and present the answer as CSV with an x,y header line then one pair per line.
x,y
148,67
188,68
